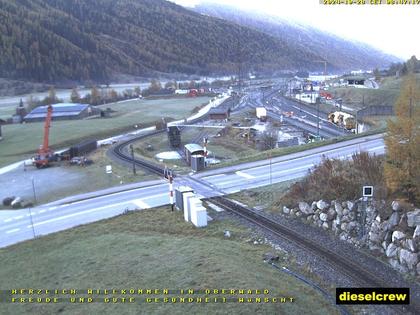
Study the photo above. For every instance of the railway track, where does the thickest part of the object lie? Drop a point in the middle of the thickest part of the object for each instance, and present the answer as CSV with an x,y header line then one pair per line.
x,y
120,151
344,265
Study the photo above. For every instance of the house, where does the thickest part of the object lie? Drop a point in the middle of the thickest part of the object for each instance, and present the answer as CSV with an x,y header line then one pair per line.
x,y
219,113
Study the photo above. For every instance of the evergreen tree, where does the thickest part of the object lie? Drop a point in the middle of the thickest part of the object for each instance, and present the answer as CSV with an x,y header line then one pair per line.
x,y
402,167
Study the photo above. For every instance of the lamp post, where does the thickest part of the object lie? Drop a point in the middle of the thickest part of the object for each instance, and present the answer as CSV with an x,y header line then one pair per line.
x,y
33,189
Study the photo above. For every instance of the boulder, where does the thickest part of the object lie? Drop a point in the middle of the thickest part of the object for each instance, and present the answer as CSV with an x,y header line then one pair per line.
x,y
395,205
331,214
325,225
410,245
323,217
391,250
321,205
305,208
408,258
403,224
313,205
413,218
395,264
416,232
397,235
286,210
338,208
350,205
375,237
394,219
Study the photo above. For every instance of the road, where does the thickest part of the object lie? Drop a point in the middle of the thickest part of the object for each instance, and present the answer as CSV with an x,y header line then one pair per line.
x,y
16,226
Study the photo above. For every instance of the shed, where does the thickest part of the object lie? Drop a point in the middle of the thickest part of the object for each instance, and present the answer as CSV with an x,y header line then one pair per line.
x,y
219,113
192,149
61,111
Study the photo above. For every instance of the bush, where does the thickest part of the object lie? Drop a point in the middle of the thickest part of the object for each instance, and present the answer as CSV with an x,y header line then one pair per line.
x,y
335,179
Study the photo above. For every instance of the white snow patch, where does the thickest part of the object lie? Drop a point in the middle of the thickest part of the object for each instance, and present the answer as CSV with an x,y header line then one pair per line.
x,y
170,155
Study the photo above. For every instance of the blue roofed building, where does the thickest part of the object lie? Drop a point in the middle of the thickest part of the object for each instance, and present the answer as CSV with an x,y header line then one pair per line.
x,y
61,111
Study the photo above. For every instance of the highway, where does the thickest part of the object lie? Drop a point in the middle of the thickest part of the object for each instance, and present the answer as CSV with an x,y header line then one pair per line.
x,y
16,226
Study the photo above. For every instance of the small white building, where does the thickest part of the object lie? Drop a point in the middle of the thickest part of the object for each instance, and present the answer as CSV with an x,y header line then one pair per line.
x,y
307,97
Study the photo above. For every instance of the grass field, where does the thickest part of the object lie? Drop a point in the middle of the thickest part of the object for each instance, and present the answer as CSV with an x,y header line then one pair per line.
x,y
21,141
153,249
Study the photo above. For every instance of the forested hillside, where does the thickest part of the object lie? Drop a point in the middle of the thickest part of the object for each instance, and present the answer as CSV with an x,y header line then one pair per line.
x,y
340,53
82,40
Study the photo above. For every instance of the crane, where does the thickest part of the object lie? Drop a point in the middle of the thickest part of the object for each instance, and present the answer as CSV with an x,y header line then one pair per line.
x,y
45,154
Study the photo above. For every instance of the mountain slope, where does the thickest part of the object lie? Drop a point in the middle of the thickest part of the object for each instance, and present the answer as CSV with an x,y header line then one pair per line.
x,y
50,40
340,54
81,40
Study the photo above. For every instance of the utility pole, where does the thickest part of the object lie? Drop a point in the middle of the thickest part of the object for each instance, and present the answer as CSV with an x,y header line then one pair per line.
x,y
32,222
33,190
132,158
317,114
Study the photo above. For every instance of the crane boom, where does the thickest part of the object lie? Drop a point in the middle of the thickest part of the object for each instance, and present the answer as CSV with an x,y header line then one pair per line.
x,y
45,145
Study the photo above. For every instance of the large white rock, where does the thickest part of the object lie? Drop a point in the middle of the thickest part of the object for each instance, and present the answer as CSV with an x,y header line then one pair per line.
x,y
286,210
391,250
397,235
321,205
396,206
413,218
305,208
408,258
323,217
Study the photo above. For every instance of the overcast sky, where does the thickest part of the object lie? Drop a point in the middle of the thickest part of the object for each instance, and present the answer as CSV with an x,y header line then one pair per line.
x,y
393,29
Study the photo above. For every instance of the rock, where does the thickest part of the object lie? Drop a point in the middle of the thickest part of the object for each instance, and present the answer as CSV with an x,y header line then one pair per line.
x,y
325,225
298,213
305,208
343,236
394,219
323,217
395,205
384,245
331,214
350,205
391,250
416,232
351,226
378,219
336,222
403,224
413,218
271,257
397,235
313,205
408,258
418,268
286,210
375,237
343,226
411,245
292,212
321,205
338,208
395,264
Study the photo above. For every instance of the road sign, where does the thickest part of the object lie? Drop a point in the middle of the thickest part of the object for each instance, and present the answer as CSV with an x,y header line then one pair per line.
x,y
108,169
367,191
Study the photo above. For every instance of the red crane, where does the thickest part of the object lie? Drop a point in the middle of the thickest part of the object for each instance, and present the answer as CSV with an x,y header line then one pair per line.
x,y
45,154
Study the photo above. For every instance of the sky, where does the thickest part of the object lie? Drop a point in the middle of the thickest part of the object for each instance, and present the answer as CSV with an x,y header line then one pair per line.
x,y
394,29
